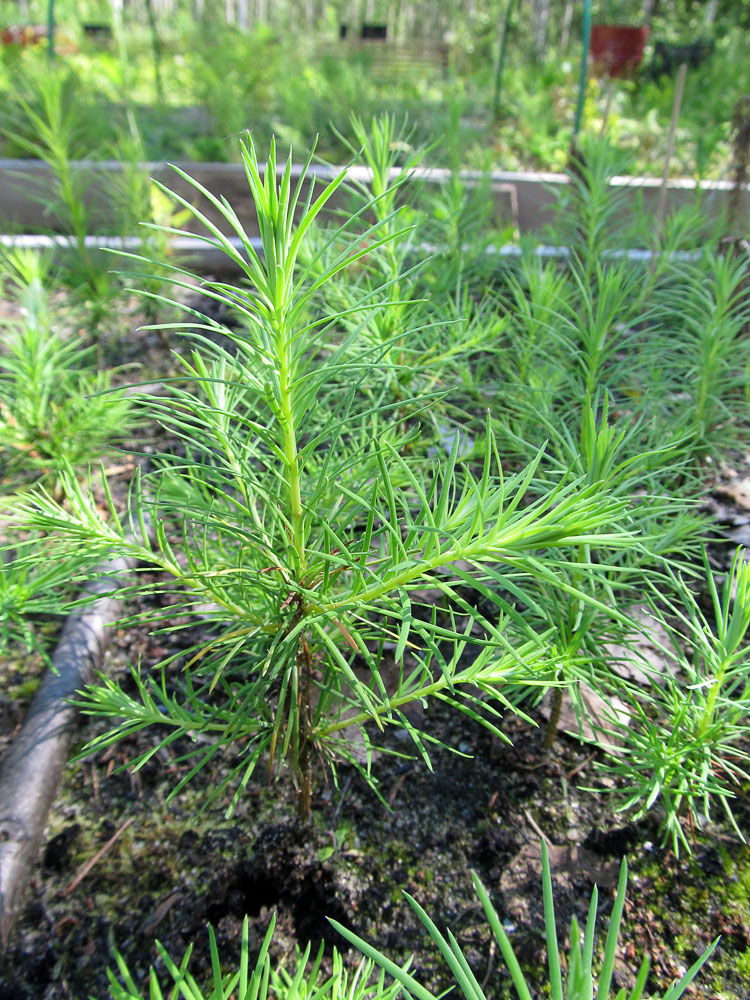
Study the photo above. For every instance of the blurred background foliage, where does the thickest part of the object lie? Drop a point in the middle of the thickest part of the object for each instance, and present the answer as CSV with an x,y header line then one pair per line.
x,y
194,74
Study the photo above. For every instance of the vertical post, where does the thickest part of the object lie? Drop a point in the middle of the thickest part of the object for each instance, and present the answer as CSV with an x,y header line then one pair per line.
x,y
677,104
584,69
740,163
607,105
51,30
156,48
501,60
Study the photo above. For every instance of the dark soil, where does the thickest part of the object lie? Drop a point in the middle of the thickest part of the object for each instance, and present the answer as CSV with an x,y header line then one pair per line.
x,y
166,870
170,872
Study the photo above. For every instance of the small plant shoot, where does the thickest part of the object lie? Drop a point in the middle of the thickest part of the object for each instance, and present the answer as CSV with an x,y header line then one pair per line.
x,y
296,526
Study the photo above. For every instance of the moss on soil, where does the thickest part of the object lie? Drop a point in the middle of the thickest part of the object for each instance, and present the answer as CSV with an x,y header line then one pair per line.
x,y
171,871
701,897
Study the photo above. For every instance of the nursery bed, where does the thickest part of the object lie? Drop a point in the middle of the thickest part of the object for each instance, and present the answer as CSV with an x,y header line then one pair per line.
x,y
120,868
440,556
168,873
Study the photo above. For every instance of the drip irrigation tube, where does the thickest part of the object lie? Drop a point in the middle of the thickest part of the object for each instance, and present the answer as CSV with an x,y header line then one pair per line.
x,y
32,766
199,254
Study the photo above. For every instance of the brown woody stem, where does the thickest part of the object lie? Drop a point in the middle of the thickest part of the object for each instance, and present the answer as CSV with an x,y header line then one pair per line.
x,y
554,717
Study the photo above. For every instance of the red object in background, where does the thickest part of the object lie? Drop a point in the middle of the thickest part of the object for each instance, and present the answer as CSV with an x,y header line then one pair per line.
x,y
617,50
26,34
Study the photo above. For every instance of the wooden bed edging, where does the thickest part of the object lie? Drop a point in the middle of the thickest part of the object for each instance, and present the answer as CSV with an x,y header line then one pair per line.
x,y
524,199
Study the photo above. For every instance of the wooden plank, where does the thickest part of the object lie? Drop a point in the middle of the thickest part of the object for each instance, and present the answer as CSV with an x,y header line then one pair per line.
x,y
523,199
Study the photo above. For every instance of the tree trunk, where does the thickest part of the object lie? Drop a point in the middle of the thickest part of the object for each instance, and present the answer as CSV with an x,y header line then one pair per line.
x,y
541,22
566,22
711,8
156,50
649,9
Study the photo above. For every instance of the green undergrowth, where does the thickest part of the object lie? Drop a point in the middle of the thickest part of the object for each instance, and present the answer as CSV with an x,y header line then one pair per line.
x,y
385,486
690,902
210,81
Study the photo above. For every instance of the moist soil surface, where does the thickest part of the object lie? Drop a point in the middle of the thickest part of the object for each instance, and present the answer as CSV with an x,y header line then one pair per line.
x,y
170,872
121,867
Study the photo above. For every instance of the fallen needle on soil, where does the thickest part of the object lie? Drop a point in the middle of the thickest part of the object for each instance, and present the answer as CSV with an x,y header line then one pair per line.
x,y
536,828
86,868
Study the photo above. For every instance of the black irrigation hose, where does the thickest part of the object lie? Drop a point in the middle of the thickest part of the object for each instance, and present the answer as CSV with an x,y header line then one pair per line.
x,y
32,767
